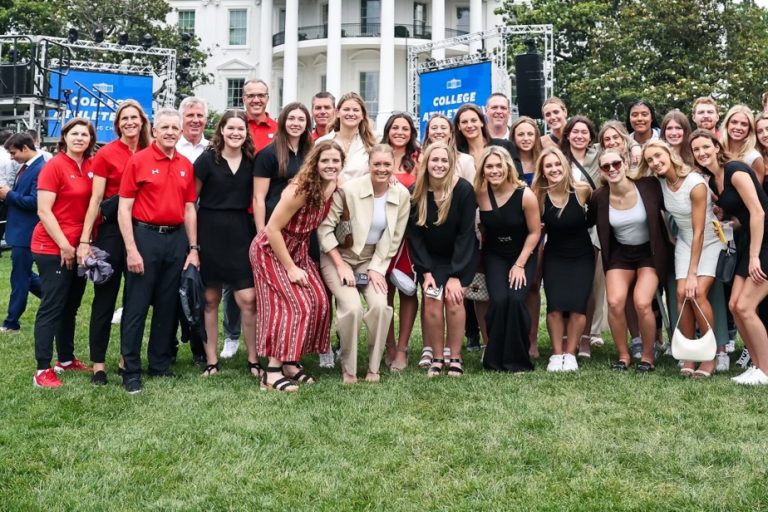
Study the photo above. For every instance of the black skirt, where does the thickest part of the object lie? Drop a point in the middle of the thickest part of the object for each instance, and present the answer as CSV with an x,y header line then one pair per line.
x,y
224,237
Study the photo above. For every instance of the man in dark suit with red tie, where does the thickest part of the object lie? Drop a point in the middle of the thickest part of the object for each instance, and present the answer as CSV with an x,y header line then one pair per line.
x,y
21,200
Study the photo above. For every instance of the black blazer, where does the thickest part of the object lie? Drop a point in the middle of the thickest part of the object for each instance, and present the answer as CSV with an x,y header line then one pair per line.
x,y
653,200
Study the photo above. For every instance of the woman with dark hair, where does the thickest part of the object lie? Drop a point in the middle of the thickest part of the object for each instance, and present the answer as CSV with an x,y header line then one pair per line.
x,y
555,116
675,130
641,122
64,191
524,134
568,255
132,128
353,131
223,178
633,249
441,233
738,139
687,200
440,129
577,145
509,218
740,195
471,132
292,307
400,135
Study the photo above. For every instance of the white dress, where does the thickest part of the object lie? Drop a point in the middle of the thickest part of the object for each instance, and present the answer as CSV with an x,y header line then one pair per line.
x,y
678,204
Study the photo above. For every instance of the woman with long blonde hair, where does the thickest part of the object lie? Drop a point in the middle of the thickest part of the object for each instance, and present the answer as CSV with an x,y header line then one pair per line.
x,y
443,246
738,139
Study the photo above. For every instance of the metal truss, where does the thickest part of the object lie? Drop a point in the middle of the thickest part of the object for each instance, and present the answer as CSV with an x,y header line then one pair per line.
x,y
419,63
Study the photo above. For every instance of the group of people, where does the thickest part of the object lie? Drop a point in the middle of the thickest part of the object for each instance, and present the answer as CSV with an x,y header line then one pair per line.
x,y
285,218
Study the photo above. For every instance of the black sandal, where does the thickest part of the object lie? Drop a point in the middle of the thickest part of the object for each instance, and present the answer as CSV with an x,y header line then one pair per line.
x,y
210,368
255,366
435,370
620,365
301,375
281,384
455,367
645,367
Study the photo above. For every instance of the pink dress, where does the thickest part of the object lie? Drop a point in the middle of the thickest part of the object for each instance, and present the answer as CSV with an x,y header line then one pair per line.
x,y
291,320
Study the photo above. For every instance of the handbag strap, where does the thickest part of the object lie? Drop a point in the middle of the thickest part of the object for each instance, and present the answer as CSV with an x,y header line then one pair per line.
x,y
585,174
697,307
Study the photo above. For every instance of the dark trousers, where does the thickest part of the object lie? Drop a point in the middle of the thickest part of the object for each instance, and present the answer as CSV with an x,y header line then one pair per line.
x,y
105,294
23,282
62,292
158,286
231,320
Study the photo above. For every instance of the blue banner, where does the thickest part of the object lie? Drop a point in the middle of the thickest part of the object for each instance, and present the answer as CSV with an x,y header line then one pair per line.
x,y
444,91
82,104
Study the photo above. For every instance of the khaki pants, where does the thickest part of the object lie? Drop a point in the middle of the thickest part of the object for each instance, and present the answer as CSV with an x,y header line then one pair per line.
x,y
350,313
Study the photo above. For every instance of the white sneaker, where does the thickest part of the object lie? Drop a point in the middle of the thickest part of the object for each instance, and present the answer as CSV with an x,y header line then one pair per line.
x,y
723,362
326,359
744,359
739,379
230,348
636,348
117,316
569,363
757,378
730,347
555,363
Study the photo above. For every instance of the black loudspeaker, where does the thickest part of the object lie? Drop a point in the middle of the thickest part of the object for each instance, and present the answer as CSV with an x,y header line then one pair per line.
x,y
529,76
15,80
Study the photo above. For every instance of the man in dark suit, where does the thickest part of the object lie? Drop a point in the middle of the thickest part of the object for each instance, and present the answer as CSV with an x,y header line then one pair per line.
x,y
21,200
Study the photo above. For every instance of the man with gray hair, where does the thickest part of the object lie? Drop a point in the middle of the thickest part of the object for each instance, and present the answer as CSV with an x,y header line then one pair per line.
x,y
158,221
194,117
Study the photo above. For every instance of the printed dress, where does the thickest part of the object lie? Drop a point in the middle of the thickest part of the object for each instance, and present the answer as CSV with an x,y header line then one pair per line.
x,y
291,320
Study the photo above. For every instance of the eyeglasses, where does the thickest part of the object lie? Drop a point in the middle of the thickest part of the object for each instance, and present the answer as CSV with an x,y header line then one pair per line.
x,y
616,164
261,96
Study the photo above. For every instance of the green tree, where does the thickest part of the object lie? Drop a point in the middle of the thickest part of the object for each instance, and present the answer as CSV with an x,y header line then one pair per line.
x,y
134,17
669,52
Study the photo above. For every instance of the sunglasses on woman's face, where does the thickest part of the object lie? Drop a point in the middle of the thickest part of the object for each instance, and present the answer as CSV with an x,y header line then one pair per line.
x,y
616,164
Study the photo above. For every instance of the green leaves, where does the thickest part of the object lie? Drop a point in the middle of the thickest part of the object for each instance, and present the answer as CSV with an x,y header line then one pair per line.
x,y
669,52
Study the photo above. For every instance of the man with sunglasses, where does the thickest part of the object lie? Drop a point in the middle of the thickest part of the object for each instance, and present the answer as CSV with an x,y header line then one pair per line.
x,y
261,126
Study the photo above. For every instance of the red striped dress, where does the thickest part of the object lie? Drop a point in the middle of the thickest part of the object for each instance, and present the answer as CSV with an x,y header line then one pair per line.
x,y
291,320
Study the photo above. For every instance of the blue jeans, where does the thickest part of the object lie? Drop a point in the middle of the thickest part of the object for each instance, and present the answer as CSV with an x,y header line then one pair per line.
x,y
23,282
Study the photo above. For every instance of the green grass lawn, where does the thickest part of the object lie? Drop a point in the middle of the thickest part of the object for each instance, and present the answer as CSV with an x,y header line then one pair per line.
x,y
593,440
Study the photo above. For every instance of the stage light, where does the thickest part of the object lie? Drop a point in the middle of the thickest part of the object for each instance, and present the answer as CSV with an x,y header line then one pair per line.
x,y
72,35
98,35
146,41
122,38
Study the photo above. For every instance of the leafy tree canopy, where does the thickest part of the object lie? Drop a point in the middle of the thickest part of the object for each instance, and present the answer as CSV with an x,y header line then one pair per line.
x,y
668,52
134,17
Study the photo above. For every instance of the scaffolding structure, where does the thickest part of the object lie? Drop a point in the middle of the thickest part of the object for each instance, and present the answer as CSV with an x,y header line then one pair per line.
x,y
27,63
494,44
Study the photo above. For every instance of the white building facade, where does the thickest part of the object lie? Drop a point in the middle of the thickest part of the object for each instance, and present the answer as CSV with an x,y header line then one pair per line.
x,y
301,47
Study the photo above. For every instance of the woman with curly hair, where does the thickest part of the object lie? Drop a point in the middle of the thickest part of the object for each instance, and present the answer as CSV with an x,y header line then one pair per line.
x,y
352,130
293,311
223,177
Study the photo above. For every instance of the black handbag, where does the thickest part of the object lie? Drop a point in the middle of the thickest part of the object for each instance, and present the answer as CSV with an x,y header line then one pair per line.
x,y
108,209
726,263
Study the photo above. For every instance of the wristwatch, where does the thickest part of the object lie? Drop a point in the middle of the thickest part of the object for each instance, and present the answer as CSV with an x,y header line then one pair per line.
x,y
194,248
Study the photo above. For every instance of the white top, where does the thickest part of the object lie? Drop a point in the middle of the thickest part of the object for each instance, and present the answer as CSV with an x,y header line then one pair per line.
x,y
655,135
630,227
678,204
189,150
750,157
378,220
8,168
356,159
465,167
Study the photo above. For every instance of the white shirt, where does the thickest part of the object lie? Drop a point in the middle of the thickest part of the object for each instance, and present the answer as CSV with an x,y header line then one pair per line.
x,y
189,150
8,168
378,220
356,159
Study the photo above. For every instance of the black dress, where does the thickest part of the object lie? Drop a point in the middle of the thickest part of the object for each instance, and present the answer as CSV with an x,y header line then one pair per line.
x,y
225,229
450,249
509,321
569,258
732,204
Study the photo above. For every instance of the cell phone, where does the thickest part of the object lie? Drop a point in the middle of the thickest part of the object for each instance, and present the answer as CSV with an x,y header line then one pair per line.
x,y
361,279
434,293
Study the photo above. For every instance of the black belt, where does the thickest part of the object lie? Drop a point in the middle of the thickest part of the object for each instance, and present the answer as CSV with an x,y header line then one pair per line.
x,y
156,227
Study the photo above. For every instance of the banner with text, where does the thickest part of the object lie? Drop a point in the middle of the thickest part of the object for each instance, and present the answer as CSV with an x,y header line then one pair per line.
x,y
444,91
85,101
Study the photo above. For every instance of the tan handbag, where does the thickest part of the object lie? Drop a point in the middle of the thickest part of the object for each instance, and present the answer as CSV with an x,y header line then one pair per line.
x,y
697,349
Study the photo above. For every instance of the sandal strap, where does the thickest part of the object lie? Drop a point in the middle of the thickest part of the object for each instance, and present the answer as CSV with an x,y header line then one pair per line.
x,y
274,369
251,365
209,368
295,364
281,384
302,376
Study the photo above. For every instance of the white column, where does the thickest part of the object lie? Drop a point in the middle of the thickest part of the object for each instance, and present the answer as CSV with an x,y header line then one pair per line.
x,y
386,64
291,52
265,42
333,58
475,21
438,26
